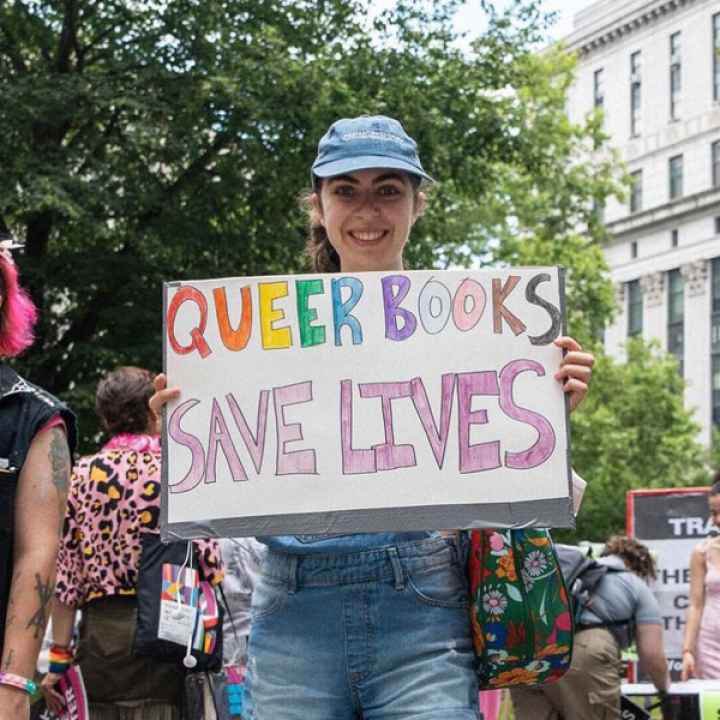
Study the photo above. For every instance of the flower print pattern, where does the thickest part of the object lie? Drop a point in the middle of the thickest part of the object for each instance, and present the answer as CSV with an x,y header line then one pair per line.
x,y
497,542
506,567
494,602
535,563
513,576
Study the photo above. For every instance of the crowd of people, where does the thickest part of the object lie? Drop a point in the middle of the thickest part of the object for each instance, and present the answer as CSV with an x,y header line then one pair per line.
x,y
371,625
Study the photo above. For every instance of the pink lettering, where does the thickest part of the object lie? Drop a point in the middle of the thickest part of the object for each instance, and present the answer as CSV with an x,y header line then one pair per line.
x,y
196,472
544,446
480,456
436,437
219,437
298,462
255,444
354,462
388,455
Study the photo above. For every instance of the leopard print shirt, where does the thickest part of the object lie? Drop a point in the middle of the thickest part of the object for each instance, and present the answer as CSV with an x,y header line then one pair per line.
x,y
114,497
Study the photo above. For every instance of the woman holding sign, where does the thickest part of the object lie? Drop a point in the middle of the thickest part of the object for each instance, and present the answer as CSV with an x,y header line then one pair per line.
x,y
368,625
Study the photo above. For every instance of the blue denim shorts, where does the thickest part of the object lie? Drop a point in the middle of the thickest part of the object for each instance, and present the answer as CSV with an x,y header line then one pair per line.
x,y
379,635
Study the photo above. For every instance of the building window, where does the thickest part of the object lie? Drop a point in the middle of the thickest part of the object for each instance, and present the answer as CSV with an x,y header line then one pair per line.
x,y
635,93
636,191
715,340
676,176
676,313
635,308
674,238
675,76
633,249
715,153
599,89
717,225
716,57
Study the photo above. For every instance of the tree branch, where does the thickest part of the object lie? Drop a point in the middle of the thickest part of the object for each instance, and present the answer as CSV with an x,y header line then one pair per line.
x,y
187,176
68,37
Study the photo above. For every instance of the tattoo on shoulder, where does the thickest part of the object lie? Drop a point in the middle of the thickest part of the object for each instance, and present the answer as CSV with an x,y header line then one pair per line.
x,y
44,591
59,460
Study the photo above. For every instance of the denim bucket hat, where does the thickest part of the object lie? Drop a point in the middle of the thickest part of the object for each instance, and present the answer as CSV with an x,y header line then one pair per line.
x,y
366,143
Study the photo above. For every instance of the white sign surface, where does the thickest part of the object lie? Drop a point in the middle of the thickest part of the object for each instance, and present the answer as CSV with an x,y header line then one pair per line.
x,y
365,402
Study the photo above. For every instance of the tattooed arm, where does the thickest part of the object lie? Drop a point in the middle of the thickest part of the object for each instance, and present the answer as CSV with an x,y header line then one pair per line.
x,y
39,513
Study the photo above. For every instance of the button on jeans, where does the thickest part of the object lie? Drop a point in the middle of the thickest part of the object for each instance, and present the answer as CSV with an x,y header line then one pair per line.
x,y
379,635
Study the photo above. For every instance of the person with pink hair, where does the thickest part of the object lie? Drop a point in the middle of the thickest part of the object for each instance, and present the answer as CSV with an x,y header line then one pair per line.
x,y
37,437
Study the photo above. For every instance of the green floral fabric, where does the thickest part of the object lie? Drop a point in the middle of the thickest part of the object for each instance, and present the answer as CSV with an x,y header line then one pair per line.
x,y
520,614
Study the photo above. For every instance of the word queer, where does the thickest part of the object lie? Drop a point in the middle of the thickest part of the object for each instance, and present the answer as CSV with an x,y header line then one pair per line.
x,y
436,307
472,457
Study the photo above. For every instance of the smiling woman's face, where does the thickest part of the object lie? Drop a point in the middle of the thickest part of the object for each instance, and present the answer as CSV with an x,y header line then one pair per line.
x,y
368,216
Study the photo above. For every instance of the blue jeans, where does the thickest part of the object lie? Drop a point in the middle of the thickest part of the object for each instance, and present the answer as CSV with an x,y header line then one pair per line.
x,y
379,635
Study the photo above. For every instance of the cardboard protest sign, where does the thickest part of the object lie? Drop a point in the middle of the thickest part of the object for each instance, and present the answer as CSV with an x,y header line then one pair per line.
x,y
671,523
365,402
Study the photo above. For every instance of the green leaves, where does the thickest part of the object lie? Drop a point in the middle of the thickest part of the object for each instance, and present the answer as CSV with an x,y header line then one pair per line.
x,y
632,432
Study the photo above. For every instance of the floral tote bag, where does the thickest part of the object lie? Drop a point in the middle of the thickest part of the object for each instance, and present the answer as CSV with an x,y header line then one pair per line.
x,y
520,614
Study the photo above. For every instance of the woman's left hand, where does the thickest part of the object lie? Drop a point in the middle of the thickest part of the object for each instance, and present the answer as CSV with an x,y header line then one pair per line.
x,y
575,370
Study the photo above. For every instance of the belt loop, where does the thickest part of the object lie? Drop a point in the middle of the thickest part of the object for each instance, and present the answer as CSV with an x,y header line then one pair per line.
x,y
293,574
397,568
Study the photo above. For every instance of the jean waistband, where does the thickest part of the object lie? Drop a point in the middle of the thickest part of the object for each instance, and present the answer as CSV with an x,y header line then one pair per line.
x,y
379,564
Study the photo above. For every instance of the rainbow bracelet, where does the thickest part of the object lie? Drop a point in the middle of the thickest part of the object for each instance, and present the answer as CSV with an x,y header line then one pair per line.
x,y
18,682
59,659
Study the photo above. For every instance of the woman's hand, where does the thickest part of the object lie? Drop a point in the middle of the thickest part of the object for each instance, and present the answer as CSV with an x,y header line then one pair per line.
x,y
688,666
162,395
53,697
575,370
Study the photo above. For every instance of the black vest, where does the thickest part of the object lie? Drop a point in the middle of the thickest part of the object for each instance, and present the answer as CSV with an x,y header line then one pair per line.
x,y
24,410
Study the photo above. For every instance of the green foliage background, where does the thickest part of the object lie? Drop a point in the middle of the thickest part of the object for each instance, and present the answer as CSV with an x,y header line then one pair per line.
x,y
166,140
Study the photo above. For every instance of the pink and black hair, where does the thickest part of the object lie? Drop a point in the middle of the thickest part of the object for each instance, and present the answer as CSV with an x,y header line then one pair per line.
x,y
18,315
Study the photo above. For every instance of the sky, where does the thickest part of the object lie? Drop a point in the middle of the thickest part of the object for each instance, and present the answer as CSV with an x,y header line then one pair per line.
x,y
470,16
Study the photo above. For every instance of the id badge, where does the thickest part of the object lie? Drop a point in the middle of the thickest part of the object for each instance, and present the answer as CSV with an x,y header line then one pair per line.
x,y
177,621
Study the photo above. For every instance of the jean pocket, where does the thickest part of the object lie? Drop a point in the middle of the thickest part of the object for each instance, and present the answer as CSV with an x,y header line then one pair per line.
x,y
267,599
443,586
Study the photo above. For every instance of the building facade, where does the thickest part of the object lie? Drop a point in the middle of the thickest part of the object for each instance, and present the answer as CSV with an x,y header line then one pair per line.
x,y
653,66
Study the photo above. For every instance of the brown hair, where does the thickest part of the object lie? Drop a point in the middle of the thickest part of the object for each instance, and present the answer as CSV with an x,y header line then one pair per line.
x,y
635,555
318,248
121,400
715,487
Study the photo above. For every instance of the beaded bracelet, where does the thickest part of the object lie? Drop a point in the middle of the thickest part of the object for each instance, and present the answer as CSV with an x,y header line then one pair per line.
x,y
60,659
16,681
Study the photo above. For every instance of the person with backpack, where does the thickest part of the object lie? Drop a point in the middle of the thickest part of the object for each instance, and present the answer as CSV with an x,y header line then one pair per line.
x,y
370,625
37,437
113,507
613,607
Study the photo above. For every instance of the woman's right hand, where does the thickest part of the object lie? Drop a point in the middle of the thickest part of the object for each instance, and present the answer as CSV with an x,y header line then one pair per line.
x,y
163,394
688,665
54,699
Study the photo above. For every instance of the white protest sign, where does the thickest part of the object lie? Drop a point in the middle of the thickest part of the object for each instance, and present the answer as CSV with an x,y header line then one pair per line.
x,y
671,522
365,402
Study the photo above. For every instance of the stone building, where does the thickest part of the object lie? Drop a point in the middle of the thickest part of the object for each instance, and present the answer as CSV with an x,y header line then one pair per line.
x,y
654,68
